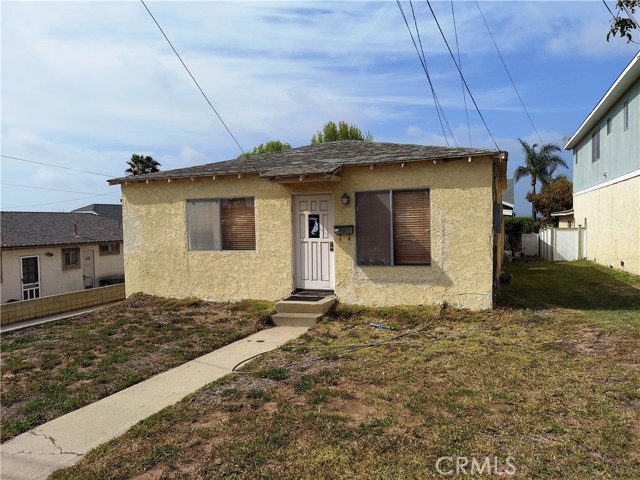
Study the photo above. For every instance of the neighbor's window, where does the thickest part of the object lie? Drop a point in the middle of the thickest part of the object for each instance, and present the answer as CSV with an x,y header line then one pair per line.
x,y
595,146
70,258
112,248
221,224
625,115
393,228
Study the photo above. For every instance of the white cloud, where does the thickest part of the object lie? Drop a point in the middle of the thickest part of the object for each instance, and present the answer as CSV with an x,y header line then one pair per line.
x,y
86,84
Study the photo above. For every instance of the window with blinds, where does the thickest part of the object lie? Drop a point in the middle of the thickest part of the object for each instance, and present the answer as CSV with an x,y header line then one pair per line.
x,y
221,224
237,222
393,228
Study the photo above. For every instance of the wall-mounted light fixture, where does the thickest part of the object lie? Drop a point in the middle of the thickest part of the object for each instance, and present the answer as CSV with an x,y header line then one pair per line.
x,y
49,254
345,199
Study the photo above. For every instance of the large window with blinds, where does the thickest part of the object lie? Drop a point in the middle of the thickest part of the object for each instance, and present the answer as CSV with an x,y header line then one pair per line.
x,y
393,228
221,224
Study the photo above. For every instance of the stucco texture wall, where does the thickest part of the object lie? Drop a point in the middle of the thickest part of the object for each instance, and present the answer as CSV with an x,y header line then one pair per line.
x,y
157,259
613,224
53,279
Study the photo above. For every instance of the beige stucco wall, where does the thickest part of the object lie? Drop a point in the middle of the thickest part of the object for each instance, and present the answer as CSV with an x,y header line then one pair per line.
x,y
157,260
613,224
54,280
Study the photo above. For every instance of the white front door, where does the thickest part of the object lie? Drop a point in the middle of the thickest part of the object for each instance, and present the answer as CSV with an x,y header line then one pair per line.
x,y
87,269
313,238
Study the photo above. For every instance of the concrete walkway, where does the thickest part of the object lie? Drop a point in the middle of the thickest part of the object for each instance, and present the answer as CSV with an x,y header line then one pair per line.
x,y
65,440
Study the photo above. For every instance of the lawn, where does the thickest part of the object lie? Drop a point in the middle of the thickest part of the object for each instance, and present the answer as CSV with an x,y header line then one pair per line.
x,y
544,385
54,368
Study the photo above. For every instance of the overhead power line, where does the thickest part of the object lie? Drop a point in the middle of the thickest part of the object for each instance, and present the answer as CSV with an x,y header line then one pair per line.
x,y
464,94
475,104
56,166
60,190
423,62
192,77
616,17
424,58
508,73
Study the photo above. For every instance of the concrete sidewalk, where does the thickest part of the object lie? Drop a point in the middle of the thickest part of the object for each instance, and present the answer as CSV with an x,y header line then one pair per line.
x,y
65,440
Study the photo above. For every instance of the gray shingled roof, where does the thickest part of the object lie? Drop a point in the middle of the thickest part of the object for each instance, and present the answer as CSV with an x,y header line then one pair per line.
x,y
24,229
103,209
324,158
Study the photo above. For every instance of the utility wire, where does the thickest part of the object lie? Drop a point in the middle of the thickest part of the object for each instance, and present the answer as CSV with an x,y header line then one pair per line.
x,y
426,70
51,203
191,75
59,190
55,166
508,73
464,94
461,75
444,117
629,14
616,17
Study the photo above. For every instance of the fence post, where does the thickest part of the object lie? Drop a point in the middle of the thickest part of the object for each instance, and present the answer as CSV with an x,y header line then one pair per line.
x,y
553,244
580,256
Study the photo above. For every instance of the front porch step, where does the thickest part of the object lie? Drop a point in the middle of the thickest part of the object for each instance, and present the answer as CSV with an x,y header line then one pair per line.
x,y
295,319
320,307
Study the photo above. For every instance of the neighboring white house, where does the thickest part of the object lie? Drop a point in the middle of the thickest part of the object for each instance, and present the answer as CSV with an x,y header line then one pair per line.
x,y
606,174
48,253
508,200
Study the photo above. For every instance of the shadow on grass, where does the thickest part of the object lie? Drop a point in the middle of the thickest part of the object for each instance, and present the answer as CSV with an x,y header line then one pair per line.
x,y
576,285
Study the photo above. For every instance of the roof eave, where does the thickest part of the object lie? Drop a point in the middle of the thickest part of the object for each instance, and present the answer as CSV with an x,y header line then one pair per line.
x,y
628,76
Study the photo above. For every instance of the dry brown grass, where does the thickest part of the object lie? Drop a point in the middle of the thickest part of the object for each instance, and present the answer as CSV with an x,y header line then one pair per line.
x,y
52,369
558,395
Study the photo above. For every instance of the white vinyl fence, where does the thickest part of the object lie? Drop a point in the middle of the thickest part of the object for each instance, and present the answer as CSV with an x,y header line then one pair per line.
x,y
529,243
563,244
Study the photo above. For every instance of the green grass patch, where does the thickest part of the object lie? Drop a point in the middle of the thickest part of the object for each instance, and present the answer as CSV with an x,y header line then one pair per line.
x,y
600,294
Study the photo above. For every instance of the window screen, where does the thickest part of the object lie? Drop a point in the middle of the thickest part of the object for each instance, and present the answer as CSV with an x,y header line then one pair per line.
x,y
221,224
203,219
373,228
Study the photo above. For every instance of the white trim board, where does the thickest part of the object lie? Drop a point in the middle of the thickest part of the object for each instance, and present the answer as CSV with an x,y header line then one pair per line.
x,y
628,176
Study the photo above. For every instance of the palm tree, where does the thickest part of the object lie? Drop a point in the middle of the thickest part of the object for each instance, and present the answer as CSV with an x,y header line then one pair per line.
x,y
540,165
141,164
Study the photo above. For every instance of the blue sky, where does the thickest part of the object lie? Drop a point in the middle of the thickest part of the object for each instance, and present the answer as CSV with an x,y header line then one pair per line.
x,y
86,84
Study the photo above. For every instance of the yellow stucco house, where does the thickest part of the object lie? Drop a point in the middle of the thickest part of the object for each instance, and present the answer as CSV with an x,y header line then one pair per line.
x,y
376,223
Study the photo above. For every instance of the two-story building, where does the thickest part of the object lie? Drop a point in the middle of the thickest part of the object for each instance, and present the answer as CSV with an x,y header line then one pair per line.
x,y
606,174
